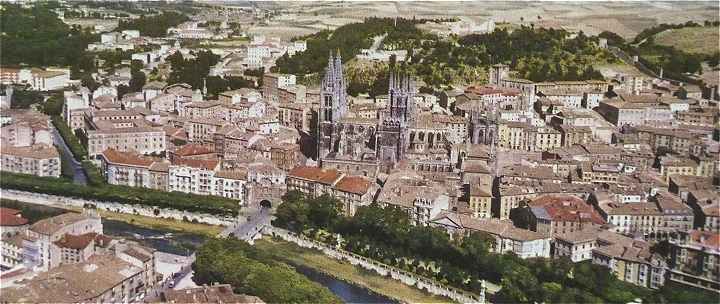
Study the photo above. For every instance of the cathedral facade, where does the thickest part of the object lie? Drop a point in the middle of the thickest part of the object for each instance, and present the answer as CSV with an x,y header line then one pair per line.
x,y
399,134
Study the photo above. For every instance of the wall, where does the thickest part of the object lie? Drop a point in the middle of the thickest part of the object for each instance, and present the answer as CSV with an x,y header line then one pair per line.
x,y
64,202
403,276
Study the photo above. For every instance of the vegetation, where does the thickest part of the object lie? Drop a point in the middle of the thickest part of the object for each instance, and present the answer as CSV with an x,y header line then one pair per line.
x,y
24,98
252,271
538,54
163,224
675,62
79,152
37,37
693,40
31,212
303,257
155,25
386,235
121,194
191,71
348,40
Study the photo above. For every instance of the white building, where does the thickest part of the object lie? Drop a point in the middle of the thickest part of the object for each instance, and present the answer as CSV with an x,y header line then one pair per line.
x,y
508,238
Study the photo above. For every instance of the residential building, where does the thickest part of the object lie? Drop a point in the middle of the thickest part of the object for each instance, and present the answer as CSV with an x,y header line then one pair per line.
x,y
46,232
631,261
508,238
38,159
130,169
102,278
695,260
560,214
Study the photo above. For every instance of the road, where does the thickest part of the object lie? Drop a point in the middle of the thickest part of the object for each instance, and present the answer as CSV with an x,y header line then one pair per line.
x,y
79,176
153,295
255,222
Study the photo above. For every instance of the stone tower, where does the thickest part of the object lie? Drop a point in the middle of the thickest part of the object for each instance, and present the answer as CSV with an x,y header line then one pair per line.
x,y
333,106
497,73
392,137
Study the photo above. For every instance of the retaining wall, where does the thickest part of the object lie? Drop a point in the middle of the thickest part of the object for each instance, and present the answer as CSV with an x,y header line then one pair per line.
x,y
63,201
403,276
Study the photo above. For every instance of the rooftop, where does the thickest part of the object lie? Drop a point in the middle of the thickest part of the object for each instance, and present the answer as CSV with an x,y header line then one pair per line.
x,y
51,225
72,283
11,217
324,176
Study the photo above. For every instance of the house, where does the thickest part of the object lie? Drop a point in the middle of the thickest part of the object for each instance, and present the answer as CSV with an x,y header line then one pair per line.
x,y
508,238
559,214
695,260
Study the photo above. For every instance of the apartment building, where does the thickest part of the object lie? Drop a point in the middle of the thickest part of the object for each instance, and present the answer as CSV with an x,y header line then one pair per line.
x,y
508,238
353,191
560,214
38,159
695,260
44,233
133,170
631,261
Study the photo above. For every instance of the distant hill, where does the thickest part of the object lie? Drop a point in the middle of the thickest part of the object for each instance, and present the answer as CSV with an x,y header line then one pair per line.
x,y
697,40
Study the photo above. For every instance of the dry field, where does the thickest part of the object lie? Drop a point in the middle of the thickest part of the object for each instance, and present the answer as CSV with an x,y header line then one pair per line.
x,y
625,18
700,40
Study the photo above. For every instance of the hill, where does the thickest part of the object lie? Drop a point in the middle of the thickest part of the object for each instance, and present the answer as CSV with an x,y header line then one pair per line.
x,y
697,40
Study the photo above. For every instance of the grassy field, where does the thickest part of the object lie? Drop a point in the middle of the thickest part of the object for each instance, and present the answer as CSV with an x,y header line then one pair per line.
x,y
292,254
700,40
139,220
163,224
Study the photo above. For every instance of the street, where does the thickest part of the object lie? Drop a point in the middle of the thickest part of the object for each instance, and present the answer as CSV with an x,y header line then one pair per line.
x,y
255,221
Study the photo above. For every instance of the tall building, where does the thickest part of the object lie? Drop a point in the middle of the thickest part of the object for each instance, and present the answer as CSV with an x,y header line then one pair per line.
x,y
392,139
333,106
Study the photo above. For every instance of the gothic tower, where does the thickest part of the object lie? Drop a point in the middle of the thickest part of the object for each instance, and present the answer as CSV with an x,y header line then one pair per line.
x,y
392,138
333,106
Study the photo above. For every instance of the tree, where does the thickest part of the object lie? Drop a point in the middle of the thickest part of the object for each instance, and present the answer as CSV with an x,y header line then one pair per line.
x,y
153,26
254,272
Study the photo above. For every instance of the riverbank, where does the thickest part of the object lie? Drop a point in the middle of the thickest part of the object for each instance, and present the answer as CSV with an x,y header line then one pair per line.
x,y
297,256
163,224
139,220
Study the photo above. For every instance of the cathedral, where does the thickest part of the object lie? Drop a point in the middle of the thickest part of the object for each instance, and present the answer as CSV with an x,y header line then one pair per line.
x,y
400,135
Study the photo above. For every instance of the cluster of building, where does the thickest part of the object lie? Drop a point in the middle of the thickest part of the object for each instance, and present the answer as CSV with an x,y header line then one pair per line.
x,y
27,143
67,258
37,79
591,170
545,168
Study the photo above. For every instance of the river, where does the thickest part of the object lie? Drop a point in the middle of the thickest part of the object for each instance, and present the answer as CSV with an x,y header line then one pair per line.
x,y
185,243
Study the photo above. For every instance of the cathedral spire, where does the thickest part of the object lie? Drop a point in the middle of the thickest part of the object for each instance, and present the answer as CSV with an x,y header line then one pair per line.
x,y
392,80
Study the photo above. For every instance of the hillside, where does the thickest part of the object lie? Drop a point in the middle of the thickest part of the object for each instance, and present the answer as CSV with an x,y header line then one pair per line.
x,y
698,40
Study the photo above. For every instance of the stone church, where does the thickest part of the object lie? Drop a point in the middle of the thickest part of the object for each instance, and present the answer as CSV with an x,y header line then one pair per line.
x,y
399,136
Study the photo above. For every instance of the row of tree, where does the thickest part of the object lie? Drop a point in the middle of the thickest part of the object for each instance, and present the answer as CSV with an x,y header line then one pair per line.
x,y
253,272
154,25
387,235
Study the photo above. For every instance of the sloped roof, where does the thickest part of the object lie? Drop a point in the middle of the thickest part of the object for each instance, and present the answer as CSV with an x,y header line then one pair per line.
x,y
354,184
324,176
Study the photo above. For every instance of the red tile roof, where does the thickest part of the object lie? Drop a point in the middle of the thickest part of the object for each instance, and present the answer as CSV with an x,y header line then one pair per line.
x,y
567,208
353,184
208,164
706,238
11,217
126,158
193,149
325,176
76,241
